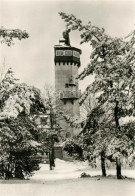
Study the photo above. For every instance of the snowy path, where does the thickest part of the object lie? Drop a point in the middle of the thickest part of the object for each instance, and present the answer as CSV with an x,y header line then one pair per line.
x,y
65,181
72,170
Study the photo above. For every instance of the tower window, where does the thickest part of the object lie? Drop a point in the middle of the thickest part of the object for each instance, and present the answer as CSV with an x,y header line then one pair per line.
x,y
68,135
66,85
72,101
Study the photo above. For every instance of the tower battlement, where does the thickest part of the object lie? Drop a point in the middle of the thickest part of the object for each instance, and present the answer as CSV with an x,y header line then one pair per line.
x,y
67,54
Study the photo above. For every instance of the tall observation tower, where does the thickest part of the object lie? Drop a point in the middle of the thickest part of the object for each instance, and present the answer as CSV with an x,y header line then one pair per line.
x,y
67,62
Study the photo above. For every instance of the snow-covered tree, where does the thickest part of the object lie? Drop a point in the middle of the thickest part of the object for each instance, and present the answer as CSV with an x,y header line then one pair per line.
x,y
53,132
19,135
7,36
112,62
88,145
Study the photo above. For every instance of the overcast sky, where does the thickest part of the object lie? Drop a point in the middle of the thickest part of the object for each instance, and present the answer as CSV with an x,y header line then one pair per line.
x,y
33,59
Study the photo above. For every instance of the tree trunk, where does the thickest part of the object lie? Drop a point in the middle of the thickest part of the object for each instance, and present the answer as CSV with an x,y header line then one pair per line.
x,y
50,161
51,158
103,163
18,172
118,162
116,116
8,173
2,170
118,168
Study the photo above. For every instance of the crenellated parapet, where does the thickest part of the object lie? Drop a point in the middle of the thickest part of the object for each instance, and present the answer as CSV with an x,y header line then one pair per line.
x,y
67,54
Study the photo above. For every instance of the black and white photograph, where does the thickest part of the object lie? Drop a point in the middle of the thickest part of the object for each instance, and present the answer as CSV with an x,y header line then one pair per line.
x,y
67,97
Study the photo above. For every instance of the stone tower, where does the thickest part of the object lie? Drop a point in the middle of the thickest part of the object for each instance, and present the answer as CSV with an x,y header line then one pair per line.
x,y
67,62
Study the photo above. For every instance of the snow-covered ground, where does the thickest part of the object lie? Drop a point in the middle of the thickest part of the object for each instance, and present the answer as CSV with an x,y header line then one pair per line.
x,y
72,170
64,181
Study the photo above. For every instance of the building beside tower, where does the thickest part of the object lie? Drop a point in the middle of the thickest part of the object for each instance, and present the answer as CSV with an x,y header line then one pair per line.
x,y
67,62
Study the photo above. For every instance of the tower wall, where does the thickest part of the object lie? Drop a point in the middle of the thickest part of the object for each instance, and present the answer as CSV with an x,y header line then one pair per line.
x,y
63,71
67,61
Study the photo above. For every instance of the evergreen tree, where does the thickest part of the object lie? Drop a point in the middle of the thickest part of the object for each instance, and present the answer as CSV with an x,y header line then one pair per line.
x,y
19,135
